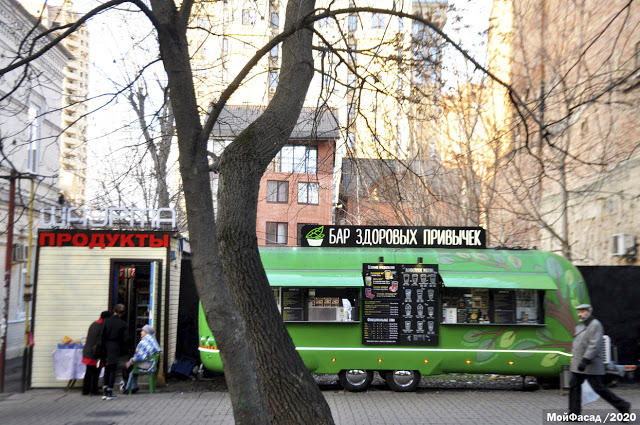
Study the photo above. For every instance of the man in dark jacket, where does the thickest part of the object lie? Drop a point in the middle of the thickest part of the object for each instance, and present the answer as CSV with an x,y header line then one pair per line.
x,y
587,362
114,334
91,355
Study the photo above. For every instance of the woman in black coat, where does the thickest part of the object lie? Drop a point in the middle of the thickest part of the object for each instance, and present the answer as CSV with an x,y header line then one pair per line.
x,y
91,355
114,334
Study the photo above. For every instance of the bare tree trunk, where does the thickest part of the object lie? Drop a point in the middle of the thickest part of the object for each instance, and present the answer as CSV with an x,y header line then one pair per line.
x,y
285,379
159,151
222,316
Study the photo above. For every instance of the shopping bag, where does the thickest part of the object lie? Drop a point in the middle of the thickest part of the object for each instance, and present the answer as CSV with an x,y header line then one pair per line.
x,y
588,395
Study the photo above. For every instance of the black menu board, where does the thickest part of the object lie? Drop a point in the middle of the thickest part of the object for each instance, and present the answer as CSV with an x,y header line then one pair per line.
x,y
504,306
400,304
293,301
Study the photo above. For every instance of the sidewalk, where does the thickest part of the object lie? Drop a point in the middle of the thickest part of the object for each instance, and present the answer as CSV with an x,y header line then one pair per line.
x,y
376,406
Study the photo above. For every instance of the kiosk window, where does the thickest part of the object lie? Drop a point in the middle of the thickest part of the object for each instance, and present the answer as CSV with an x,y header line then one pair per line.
x,y
486,306
319,304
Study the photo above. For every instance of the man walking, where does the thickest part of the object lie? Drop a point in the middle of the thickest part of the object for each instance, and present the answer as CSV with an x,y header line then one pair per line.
x,y
587,362
114,333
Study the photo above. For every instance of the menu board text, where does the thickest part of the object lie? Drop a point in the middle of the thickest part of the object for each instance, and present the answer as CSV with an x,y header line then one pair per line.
x,y
400,304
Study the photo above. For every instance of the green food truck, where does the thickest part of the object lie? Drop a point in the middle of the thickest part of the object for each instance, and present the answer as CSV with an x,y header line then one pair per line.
x,y
408,312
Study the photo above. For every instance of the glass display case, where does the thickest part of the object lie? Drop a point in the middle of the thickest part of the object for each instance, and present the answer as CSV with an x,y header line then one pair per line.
x,y
492,306
318,304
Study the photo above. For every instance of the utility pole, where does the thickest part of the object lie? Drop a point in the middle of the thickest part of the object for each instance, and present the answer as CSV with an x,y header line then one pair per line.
x,y
4,325
28,341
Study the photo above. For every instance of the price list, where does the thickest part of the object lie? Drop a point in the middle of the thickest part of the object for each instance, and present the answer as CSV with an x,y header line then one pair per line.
x,y
400,304
293,301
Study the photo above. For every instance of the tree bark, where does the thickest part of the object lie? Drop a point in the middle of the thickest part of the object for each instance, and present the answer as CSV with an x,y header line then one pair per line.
x,y
285,380
223,317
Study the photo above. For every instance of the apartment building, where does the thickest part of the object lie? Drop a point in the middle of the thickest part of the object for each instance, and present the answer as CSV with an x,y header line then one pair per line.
x,y
374,70
30,122
297,188
73,143
73,139
575,158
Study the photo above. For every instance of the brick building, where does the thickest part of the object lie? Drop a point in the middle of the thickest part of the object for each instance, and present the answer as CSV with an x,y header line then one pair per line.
x,y
298,186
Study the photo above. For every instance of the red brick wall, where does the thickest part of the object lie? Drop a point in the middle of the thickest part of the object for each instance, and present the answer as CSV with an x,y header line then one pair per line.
x,y
292,212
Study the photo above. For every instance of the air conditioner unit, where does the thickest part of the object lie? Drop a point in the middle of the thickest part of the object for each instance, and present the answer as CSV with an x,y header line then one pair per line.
x,y
623,244
20,253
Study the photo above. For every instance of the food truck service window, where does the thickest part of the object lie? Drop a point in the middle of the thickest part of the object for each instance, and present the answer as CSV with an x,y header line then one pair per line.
x,y
318,304
492,306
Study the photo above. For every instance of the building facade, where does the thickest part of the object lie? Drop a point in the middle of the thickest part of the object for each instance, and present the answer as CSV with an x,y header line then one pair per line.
x,y
75,86
574,155
297,187
30,122
375,71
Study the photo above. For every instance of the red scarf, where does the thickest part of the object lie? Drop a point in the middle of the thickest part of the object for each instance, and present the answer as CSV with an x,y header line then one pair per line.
x,y
88,361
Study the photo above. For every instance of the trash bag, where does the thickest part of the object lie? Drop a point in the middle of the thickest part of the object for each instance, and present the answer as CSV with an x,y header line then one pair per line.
x,y
588,395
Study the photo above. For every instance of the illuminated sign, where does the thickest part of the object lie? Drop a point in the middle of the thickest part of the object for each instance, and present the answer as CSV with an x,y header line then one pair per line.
x,y
107,239
111,217
394,236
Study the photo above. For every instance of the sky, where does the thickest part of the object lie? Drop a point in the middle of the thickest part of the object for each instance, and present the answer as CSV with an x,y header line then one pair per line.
x,y
467,24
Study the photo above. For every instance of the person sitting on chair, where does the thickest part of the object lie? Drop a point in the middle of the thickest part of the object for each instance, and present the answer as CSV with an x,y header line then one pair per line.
x,y
147,347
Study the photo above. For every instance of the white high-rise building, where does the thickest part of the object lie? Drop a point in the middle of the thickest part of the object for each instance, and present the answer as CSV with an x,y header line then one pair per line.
x,y
75,90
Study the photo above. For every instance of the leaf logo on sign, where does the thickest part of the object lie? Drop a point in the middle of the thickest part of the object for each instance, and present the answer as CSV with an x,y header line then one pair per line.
x,y
316,233
315,236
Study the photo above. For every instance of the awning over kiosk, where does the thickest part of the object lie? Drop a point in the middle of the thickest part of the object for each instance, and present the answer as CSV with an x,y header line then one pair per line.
x,y
454,279
316,278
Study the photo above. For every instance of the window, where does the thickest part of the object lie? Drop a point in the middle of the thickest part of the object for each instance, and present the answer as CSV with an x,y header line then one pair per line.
x,y
377,20
203,23
325,22
225,46
248,17
22,269
274,52
353,22
506,306
276,233
296,159
308,193
33,159
273,79
326,80
351,140
277,191
320,304
275,20
351,80
351,111
352,52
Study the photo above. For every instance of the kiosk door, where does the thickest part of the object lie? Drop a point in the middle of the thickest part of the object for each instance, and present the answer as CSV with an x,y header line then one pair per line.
x,y
136,285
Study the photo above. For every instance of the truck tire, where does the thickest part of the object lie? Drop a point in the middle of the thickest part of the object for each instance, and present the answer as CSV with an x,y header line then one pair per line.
x,y
355,380
403,380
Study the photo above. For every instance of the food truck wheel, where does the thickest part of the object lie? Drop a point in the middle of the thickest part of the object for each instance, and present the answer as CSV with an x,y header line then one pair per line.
x,y
403,380
355,379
